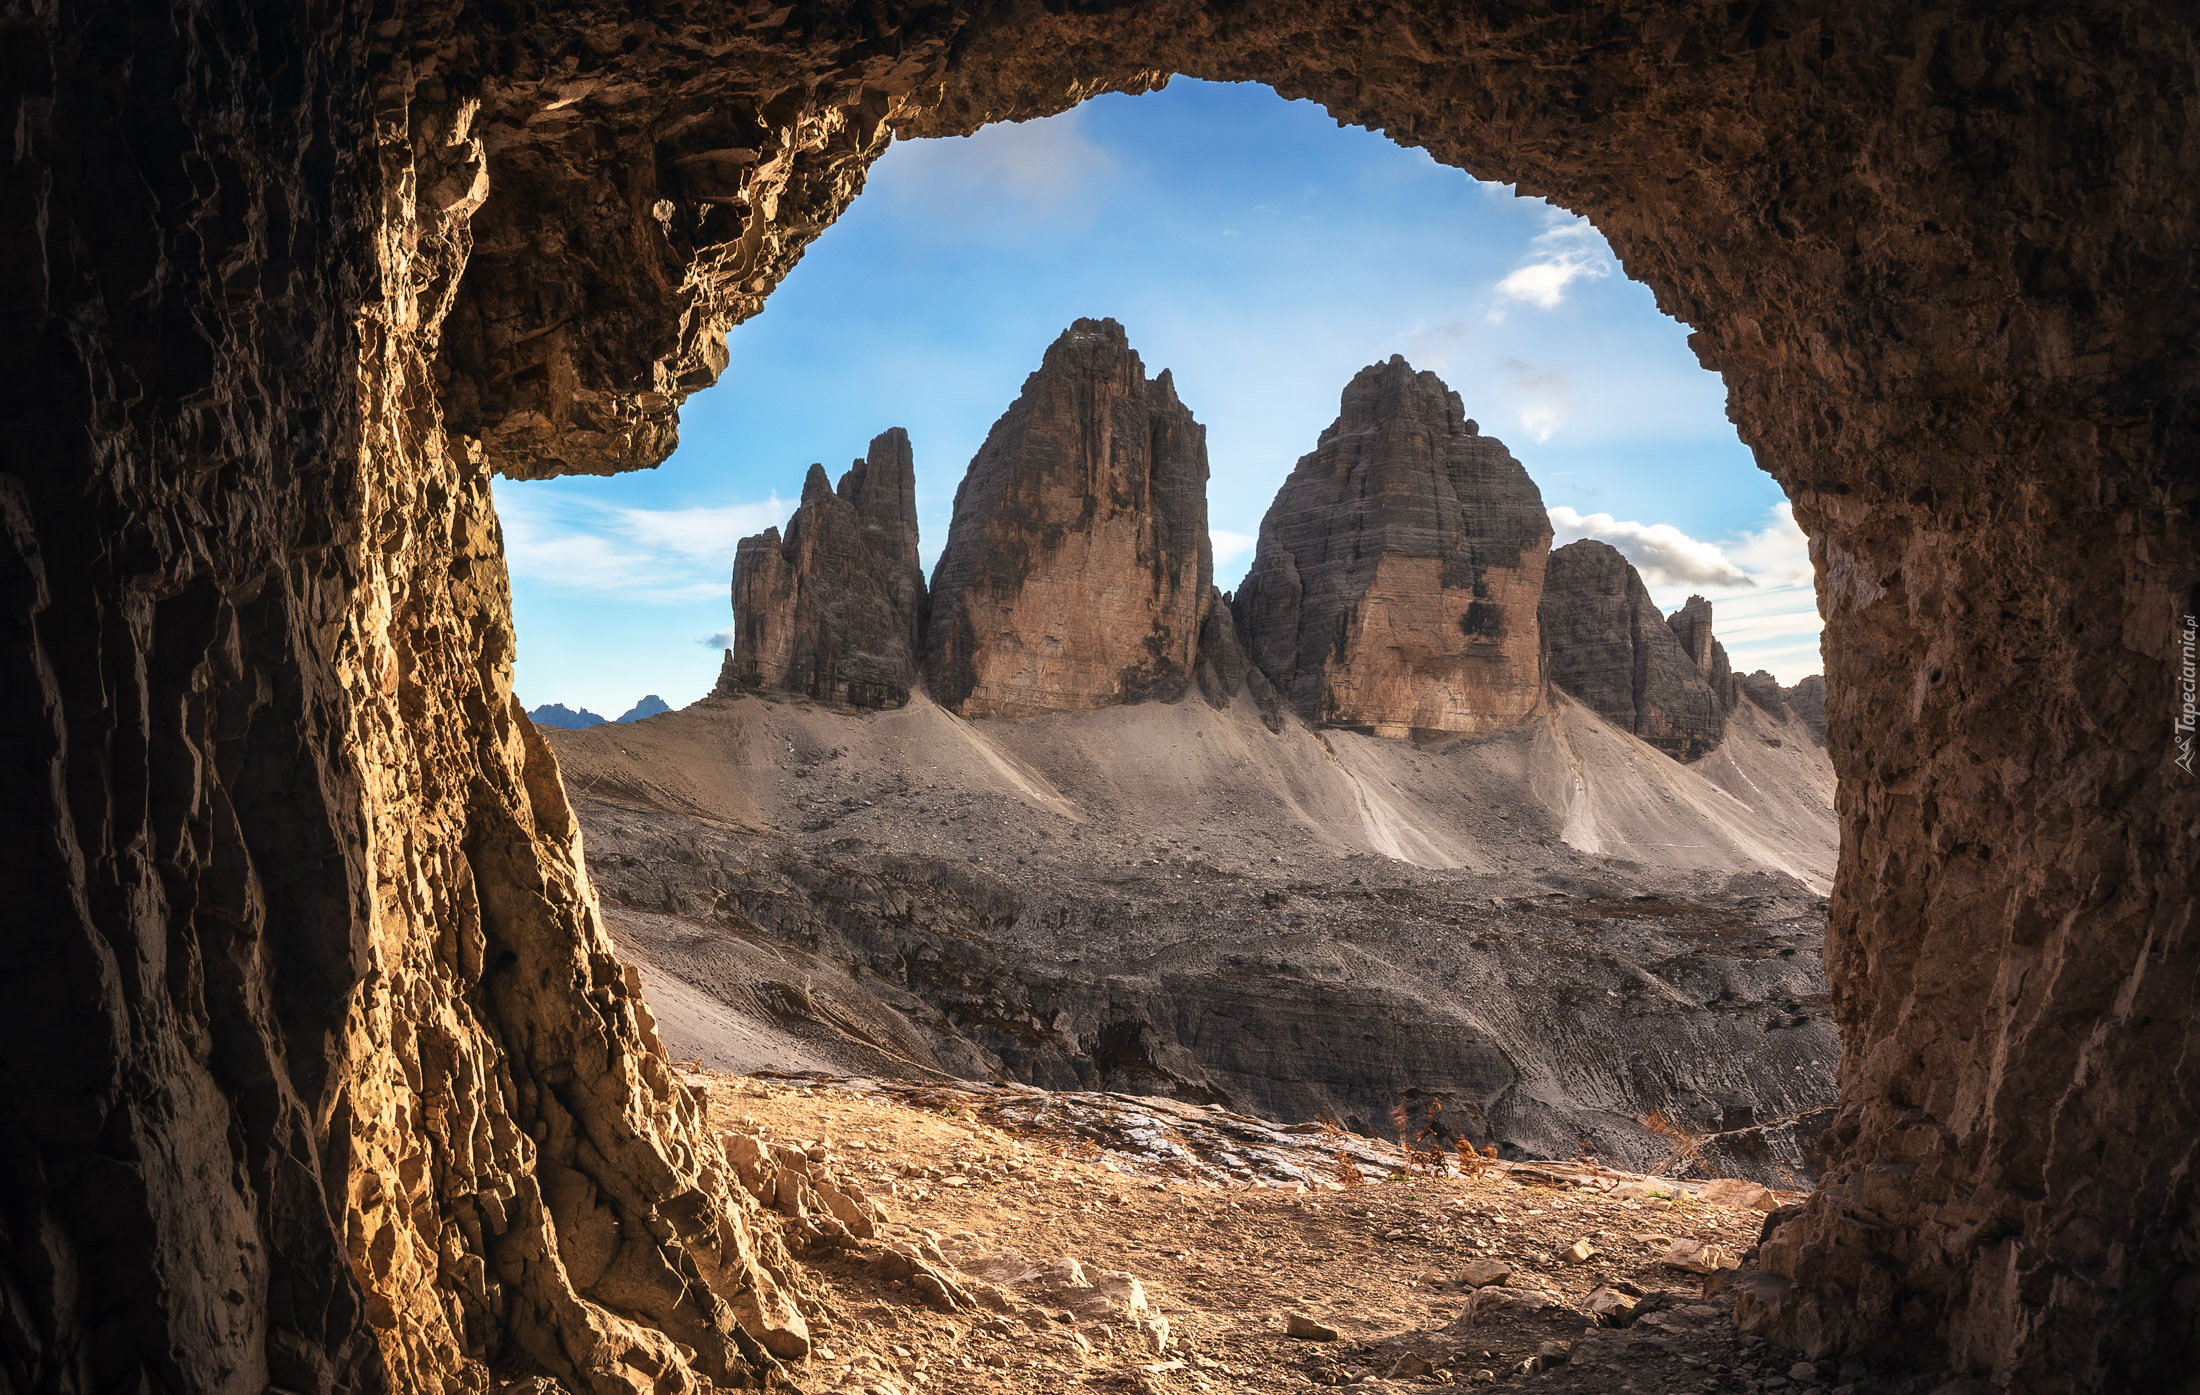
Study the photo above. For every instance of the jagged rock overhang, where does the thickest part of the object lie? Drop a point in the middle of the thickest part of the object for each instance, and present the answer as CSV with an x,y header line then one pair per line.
x,y
1824,194
1943,258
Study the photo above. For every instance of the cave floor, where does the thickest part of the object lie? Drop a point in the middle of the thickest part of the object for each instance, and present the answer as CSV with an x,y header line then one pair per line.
x,y
1377,1261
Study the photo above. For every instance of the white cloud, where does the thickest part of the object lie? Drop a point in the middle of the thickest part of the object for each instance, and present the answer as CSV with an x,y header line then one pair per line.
x,y
721,640
1229,547
1543,399
1765,607
1777,554
1662,553
1569,250
565,543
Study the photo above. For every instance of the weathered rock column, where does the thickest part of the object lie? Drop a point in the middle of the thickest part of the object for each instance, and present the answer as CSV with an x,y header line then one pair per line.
x,y
835,610
319,1071
1078,570
1399,568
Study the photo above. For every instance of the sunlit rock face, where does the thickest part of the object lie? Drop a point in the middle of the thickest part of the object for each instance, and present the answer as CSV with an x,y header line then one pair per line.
x,y
1398,571
833,610
1611,648
1078,569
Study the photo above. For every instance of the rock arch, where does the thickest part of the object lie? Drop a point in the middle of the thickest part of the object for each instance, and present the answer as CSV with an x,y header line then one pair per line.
x,y
316,1069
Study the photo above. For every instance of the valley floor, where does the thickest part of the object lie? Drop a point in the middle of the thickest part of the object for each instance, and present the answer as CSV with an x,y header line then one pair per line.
x,y
1534,940
1071,1243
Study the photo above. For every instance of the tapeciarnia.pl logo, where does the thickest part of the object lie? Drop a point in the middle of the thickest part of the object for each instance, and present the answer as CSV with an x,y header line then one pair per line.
x,y
2188,687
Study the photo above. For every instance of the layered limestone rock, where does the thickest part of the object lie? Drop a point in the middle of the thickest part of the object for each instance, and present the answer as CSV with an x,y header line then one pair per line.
x,y
1691,624
1398,571
266,798
1611,648
1763,689
834,610
1807,700
1078,570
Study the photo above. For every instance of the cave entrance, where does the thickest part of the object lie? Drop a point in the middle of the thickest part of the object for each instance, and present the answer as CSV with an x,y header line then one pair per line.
x,y
1278,288
321,1073
1255,248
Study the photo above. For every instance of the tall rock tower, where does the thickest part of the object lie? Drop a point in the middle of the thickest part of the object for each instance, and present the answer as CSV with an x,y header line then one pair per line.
x,y
1612,649
834,609
1078,570
1398,571
1692,625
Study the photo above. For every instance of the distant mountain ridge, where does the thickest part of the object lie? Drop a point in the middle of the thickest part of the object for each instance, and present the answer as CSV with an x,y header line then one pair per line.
x,y
1404,583
558,715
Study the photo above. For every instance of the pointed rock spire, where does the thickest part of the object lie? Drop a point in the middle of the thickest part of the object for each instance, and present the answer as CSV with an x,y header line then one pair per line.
x,y
1398,570
833,609
1612,649
1078,570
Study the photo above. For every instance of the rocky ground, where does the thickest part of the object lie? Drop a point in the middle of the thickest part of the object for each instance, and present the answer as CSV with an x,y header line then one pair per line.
x,y
1532,941
1026,1241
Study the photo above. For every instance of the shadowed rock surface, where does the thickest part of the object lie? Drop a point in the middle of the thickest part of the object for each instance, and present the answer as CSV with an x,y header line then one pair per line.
x,y
1807,700
1691,624
1610,646
313,1055
1078,568
1763,689
835,610
1398,570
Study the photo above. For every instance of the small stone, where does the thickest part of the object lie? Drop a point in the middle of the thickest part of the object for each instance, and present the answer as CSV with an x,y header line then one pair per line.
x,y
1580,1252
1729,1191
1306,1329
1698,1258
1481,1273
1803,1371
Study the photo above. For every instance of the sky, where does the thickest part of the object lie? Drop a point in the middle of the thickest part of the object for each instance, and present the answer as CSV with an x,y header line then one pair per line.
x,y
1251,245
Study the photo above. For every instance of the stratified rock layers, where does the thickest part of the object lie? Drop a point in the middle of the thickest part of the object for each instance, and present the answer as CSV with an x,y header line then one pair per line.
x,y
835,609
1611,648
1078,569
1398,572
1692,625
1807,700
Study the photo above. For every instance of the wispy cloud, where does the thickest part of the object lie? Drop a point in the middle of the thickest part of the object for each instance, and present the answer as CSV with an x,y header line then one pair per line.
x,y
1229,547
1661,552
1569,250
1043,171
1431,346
564,543
1777,554
1542,400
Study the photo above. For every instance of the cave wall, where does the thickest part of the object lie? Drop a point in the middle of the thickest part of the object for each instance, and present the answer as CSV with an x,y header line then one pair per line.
x,y
315,1064
317,1070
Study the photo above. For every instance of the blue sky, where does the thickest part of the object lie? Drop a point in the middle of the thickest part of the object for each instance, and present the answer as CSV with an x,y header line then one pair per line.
x,y
1249,244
